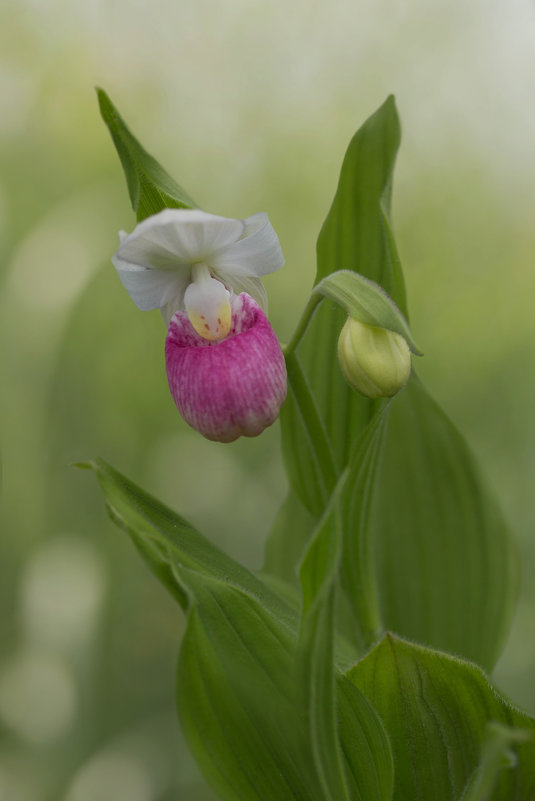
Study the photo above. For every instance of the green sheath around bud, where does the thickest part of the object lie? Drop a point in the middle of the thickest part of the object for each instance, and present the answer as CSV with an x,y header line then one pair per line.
x,y
376,362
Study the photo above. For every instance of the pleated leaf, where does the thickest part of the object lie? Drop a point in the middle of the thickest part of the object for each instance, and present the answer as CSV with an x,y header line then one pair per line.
x,y
236,697
446,563
436,709
239,680
356,236
164,538
333,747
150,187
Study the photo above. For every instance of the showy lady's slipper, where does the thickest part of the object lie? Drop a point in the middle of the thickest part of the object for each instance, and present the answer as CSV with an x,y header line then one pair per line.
x,y
224,363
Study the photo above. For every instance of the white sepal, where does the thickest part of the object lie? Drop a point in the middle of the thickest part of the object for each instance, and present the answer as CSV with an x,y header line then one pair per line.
x,y
257,253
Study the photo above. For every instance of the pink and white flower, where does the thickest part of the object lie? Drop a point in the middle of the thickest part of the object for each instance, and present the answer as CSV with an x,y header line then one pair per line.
x,y
224,363
231,387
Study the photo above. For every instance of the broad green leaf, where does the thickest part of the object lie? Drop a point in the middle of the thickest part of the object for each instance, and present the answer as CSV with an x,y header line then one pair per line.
x,y
444,567
446,564
164,538
241,712
332,726
436,708
150,188
355,236
366,301
315,652
236,690
240,700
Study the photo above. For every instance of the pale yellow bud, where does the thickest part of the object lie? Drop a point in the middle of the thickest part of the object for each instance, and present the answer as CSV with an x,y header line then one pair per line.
x,y
376,362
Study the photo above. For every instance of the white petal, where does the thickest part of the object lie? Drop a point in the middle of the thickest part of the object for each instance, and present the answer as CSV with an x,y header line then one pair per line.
x,y
151,289
169,308
175,237
257,253
252,286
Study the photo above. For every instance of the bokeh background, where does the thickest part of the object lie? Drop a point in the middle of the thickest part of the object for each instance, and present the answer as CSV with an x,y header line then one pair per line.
x,y
250,105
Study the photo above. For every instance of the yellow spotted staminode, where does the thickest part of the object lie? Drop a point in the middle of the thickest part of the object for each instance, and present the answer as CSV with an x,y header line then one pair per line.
x,y
376,362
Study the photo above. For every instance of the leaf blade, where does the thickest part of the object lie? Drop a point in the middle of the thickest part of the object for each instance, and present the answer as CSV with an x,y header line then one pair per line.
x,y
447,568
436,708
355,236
150,187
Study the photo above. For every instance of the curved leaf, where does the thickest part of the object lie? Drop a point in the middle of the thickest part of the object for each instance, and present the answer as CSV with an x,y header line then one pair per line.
x,y
315,651
236,698
243,718
164,539
240,692
151,189
355,236
366,301
446,564
341,726
436,709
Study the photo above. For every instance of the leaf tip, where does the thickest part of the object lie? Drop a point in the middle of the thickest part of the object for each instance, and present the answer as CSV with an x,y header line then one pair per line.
x,y
85,465
104,103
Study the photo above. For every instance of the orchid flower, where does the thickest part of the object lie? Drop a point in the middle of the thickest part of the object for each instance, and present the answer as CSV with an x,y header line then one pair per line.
x,y
224,363
232,387
182,258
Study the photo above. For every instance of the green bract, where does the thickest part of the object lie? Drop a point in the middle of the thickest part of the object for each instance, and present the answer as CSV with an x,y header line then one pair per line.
x,y
367,302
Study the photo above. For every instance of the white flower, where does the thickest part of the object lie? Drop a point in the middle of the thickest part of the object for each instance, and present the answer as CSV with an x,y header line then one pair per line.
x,y
181,258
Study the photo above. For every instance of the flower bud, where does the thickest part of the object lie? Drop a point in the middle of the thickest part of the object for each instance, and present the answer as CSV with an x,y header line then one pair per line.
x,y
375,361
229,387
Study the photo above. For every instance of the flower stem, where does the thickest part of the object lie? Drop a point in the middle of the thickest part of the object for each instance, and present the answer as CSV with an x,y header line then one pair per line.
x,y
315,428
313,302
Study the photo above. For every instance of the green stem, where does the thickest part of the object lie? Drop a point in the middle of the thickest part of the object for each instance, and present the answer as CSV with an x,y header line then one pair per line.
x,y
359,573
313,301
359,569
318,437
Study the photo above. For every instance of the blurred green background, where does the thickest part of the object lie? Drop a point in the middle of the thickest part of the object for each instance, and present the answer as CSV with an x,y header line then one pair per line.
x,y
250,105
